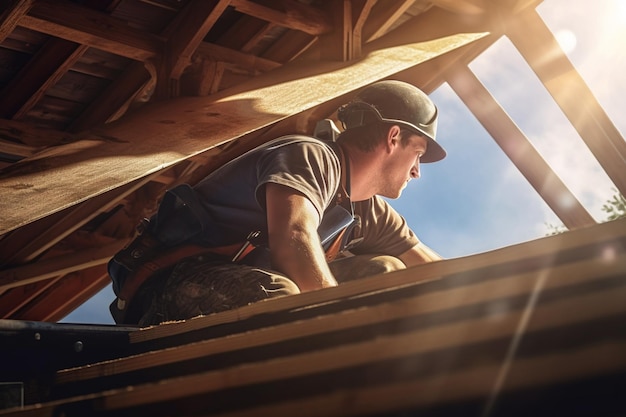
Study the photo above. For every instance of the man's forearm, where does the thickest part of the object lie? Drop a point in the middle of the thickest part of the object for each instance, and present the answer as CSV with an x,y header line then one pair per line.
x,y
299,256
295,247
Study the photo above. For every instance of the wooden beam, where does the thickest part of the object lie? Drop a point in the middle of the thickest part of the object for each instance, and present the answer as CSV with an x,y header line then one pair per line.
x,y
16,149
17,298
410,308
84,25
113,98
457,342
338,44
195,21
538,46
58,266
37,237
289,46
608,235
33,136
42,72
361,10
65,295
464,6
518,148
345,41
295,16
383,16
208,77
197,125
248,61
11,16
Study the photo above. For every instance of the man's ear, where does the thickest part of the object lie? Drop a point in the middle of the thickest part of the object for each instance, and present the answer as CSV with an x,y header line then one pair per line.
x,y
393,137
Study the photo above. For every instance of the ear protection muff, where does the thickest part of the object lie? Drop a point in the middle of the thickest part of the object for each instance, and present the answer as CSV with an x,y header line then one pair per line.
x,y
358,113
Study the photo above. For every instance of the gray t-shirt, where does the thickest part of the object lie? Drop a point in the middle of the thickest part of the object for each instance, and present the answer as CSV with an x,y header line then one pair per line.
x,y
234,195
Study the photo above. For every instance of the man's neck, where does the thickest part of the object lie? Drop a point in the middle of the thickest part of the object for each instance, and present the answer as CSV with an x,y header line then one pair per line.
x,y
363,170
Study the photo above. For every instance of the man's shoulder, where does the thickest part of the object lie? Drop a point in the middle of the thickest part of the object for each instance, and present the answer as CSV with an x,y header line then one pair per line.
x,y
298,140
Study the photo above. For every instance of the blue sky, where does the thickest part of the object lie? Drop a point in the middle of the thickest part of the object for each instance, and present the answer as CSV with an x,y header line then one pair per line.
x,y
476,200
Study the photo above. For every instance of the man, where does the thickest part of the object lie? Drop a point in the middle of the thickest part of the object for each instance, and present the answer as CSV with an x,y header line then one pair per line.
x,y
269,223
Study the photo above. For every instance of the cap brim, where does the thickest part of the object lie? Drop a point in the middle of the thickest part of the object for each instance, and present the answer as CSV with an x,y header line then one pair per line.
x,y
434,152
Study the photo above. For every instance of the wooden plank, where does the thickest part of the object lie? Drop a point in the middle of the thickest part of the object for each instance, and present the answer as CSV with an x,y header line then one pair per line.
x,y
289,46
114,97
60,265
15,299
17,149
383,16
195,21
295,16
407,308
27,134
37,237
87,26
601,356
518,148
538,46
610,234
42,72
338,44
424,393
249,61
167,132
66,293
11,16
464,6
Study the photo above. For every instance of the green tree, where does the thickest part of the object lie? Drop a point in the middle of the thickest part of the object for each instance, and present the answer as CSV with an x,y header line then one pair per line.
x,y
615,208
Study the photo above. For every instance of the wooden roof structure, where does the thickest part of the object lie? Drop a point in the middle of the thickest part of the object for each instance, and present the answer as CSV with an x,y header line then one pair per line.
x,y
104,104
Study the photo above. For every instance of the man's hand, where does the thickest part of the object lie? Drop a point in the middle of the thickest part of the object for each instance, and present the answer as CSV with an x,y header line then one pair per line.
x,y
295,247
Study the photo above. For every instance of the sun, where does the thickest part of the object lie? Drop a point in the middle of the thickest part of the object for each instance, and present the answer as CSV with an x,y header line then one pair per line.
x,y
620,6
566,39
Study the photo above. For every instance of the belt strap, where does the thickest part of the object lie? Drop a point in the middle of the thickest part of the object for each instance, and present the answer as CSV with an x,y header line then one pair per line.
x,y
170,258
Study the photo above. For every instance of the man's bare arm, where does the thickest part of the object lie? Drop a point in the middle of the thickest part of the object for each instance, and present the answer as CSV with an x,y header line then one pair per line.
x,y
419,254
292,223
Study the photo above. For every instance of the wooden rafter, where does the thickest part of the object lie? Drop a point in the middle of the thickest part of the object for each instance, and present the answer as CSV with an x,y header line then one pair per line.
x,y
295,16
73,289
195,22
10,18
162,150
90,27
43,71
538,46
345,42
42,235
385,16
518,148
57,266
249,61
117,96
33,136
15,299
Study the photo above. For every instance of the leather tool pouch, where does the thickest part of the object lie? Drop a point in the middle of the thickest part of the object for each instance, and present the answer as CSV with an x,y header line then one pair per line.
x,y
180,218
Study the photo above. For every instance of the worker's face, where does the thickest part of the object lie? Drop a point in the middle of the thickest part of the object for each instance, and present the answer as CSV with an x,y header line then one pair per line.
x,y
403,163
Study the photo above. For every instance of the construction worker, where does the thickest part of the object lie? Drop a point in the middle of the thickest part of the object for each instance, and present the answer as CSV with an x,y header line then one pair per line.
x,y
281,218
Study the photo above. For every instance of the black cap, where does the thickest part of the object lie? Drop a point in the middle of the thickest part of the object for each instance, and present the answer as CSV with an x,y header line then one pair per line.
x,y
399,103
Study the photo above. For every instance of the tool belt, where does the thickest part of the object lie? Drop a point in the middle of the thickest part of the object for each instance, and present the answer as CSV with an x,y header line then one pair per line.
x,y
176,232
131,267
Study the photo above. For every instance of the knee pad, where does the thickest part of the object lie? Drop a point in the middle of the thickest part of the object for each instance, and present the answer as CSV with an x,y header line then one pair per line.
x,y
386,263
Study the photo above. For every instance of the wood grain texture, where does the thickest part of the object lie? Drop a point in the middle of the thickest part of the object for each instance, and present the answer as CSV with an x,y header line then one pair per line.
x,y
168,132
541,328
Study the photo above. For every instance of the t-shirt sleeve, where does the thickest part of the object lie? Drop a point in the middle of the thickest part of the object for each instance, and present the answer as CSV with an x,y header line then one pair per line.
x,y
308,167
383,229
